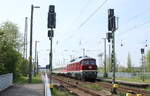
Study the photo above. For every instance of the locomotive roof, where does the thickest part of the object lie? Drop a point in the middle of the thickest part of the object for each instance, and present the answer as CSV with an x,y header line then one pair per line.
x,y
81,58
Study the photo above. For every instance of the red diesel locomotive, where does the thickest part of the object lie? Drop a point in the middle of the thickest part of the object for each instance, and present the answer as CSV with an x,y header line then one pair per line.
x,y
83,68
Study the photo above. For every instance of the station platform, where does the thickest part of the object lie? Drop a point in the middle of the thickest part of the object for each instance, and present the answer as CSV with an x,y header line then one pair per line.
x,y
24,90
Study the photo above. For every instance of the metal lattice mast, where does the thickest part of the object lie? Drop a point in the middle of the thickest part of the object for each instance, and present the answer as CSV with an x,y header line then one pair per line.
x,y
111,36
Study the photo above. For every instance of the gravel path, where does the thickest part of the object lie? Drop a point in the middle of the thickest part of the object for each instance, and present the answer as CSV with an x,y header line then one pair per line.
x,y
24,90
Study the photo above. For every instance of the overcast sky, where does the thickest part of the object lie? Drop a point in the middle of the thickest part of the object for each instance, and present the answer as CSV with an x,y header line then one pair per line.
x,y
70,37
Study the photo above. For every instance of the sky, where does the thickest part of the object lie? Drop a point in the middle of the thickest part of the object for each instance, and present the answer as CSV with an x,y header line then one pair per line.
x,y
73,34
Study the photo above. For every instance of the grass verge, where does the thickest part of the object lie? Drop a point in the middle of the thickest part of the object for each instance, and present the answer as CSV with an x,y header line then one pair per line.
x,y
58,92
24,80
137,79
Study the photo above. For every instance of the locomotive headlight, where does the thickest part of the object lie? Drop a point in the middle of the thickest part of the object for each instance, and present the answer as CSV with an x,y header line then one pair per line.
x,y
90,67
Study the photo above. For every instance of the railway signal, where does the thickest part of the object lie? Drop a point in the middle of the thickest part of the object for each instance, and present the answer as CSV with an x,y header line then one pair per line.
x,y
143,62
142,50
111,36
51,17
111,20
50,33
51,24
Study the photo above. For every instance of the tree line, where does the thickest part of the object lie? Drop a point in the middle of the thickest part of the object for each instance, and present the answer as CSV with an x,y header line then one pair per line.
x,y
130,67
11,59
145,66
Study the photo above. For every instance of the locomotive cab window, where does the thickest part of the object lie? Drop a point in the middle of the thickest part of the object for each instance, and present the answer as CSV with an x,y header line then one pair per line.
x,y
92,62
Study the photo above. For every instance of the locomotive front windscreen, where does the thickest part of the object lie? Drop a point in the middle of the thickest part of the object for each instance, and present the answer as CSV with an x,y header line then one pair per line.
x,y
89,61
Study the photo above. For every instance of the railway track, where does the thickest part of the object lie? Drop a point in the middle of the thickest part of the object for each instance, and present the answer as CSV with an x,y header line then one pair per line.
x,y
74,86
108,86
124,89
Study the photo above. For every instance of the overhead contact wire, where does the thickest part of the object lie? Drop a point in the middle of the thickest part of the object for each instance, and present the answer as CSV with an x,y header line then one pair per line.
x,y
93,13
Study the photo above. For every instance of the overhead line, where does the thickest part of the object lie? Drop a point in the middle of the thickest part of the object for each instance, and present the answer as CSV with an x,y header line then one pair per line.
x,y
137,15
86,20
78,17
93,13
80,14
133,18
135,27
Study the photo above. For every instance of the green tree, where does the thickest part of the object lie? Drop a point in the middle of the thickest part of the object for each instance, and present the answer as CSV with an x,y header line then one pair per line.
x,y
129,65
122,69
24,68
11,61
10,33
148,61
